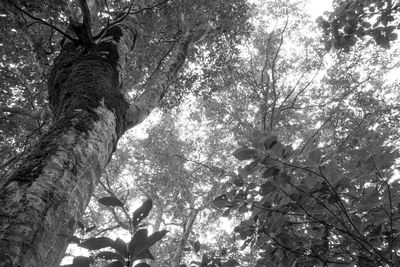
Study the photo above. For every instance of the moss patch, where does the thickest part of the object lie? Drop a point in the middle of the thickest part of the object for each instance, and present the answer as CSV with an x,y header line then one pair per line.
x,y
79,82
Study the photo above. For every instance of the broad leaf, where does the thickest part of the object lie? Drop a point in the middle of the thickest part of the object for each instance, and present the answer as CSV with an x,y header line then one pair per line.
x,y
196,246
267,188
220,202
81,261
111,201
137,242
115,264
270,142
142,212
108,255
142,264
120,246
285,239
245,153
270,172
145,254
97,243
140,243
155,237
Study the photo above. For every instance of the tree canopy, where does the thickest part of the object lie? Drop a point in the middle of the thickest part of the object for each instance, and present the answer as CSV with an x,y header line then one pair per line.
x,y
248,133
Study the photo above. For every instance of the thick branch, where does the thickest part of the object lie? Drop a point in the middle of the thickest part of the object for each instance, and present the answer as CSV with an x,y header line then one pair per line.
x,y
161,79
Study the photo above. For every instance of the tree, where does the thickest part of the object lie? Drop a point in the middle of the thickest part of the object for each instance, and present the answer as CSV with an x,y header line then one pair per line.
x,y
55,180
352,20
297,209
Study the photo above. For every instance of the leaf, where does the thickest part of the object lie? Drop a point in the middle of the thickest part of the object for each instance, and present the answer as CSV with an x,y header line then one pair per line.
x,y
71,223
220,202
226,213
284,238
80,225
270,142
154,237
142,264
91,228
145,254
315,156
245,153
196,246
115,264
295,197
249,168
81,261
231,263
276,222
137,242
267,188
142,212
270,172
108,255
73,239
140,242
277,149
110,201
97,243
285,178
120,246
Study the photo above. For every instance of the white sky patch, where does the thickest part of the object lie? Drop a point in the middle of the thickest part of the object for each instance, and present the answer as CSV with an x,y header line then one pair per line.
x,y
316,8
140,131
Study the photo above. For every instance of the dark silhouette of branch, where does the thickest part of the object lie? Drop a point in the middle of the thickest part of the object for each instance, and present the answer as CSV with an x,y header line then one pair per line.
x,y
127,13
43,22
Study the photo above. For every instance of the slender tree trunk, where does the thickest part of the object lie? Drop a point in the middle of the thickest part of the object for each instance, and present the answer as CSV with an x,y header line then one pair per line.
x,y
50,190
185,237
156,227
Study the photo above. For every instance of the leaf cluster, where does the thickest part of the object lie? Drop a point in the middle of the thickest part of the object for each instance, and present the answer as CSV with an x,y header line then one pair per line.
x,y
316,210
352,20
123,254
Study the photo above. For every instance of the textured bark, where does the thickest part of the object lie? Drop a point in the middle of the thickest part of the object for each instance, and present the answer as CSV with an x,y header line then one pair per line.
x,y
51,189
38,206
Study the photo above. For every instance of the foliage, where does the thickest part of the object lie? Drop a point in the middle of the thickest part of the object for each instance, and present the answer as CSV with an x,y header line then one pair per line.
x,y
122,254
352,20
318,210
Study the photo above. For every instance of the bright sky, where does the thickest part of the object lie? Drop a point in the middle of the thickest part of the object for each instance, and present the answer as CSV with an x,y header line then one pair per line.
x,y
317,7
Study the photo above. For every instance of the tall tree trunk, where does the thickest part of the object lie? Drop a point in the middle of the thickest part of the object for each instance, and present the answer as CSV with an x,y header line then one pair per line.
x,y
50,190
156,227
187,229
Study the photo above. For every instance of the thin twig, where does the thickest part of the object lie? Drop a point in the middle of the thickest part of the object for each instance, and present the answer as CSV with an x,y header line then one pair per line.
x,y
44,22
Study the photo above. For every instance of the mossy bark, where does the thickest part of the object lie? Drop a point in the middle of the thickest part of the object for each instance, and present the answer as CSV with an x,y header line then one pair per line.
x,y
43,198
53,185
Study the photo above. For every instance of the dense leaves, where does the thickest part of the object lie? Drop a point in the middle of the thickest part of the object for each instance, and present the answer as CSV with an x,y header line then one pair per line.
x,y
352,20
324,193
320,211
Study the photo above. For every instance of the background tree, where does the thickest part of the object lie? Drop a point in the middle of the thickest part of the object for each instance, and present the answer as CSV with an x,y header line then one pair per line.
x,y
90,113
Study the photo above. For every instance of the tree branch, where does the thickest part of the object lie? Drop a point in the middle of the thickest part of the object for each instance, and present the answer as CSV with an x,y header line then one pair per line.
x,y
43,22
